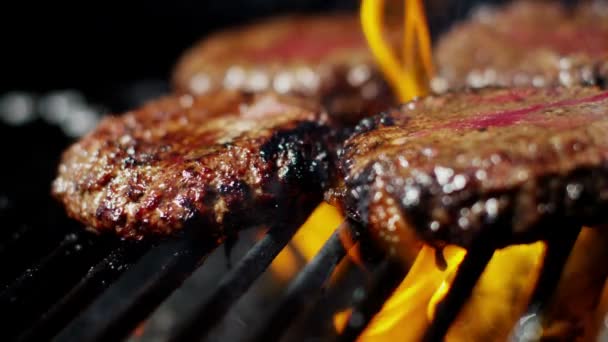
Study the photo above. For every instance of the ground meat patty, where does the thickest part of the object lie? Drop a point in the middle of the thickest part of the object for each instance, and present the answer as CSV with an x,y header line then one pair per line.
x,y
527,43
324,57
222,161
513,164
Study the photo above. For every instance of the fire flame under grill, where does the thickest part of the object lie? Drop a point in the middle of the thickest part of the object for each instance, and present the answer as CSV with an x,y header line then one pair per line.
x,y
505,286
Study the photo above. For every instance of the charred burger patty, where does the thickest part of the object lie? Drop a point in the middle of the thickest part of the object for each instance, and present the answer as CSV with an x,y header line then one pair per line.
x,y
224,161
517,164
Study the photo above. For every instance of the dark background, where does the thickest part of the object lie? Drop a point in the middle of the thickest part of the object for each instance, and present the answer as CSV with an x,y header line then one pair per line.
x,y
100,47
103,47
116,54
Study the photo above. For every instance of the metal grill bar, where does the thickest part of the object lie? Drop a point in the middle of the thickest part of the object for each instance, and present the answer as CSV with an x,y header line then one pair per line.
x,y
95,281
556,256
115,313
31,274
554,261
233,285
368,303
303,290
26,246
468,273
23,301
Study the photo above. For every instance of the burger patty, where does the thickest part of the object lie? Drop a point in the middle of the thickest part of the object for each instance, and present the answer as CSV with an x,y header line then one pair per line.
x,y
223,161
322,57
527,43
513,164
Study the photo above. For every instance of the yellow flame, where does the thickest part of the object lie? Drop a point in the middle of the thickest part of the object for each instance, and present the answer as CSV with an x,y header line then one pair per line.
x,y
503,290
498,299
307,241
409,78
403,317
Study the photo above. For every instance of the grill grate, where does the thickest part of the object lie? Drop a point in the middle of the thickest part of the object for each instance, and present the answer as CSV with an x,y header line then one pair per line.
x,y
468,273
116,300
368,302
30,294
305,287
114,314
233,285
91,285
554,261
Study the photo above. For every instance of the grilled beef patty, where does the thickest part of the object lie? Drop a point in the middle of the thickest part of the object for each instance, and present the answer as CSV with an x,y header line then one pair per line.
x,y
223,161
323,57
527,43
514,164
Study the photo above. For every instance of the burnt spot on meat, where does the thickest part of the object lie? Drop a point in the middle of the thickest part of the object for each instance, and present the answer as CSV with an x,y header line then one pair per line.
x,y
511,165
297,158
371,123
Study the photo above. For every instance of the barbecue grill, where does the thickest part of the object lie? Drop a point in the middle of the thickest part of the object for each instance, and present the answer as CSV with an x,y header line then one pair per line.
x,y
60,281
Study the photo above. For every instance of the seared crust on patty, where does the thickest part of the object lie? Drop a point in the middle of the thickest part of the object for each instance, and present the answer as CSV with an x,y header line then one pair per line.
x,y
322,57
526,43
516,164
224,161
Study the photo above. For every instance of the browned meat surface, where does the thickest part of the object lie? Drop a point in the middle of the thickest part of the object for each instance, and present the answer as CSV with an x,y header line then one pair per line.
x,y
513,164
527,43
222,162
323,57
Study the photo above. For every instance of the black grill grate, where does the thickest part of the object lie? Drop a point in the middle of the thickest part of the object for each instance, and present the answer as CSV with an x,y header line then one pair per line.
x,y
304,289
232,286
368,302
91,285
118,310
41,305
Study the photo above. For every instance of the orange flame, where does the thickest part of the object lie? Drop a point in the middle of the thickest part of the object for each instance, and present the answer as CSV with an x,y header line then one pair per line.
x,y
504,287
411,308
408,81
410,77
496,302
307,241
